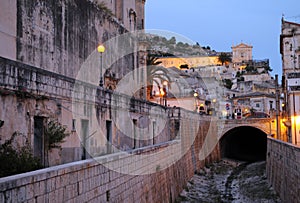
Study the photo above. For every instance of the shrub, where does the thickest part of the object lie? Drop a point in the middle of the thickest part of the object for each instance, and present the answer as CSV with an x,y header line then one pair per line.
x,y
15,160
55,133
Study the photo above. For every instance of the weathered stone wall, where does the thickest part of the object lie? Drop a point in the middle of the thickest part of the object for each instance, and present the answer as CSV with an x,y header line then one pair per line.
x,y
151,174
60,35
283,169
8,29
27,92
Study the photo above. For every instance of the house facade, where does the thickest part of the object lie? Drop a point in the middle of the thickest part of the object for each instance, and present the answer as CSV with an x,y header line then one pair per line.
x,y
290,55
241,53
50,69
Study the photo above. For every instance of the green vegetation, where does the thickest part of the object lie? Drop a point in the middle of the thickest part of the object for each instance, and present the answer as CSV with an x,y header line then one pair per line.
x,y
224,57
267,69
102,6
170,47
227,83
55,133
239,76
155,74
254,70
251,69
14,159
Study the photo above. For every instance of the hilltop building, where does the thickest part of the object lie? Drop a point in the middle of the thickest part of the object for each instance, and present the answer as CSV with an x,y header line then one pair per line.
x,y
241,53
247,76
189,62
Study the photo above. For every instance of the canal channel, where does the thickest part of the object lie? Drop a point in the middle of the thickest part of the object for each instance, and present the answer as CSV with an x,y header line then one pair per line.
x,y
230,181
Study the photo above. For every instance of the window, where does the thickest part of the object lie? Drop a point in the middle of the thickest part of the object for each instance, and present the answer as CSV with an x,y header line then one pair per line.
x,y
257,105
73,125
271,105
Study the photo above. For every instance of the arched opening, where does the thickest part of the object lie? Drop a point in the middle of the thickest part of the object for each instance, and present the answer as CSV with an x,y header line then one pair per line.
x,y
244,143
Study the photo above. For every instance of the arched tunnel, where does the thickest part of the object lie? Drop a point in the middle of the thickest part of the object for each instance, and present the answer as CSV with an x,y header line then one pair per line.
x,y
244,143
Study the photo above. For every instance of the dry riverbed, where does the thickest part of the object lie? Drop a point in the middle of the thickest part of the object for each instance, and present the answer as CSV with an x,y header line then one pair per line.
x,y
230,181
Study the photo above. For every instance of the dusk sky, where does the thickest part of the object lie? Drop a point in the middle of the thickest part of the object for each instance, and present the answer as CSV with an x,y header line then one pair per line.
x,y
221,24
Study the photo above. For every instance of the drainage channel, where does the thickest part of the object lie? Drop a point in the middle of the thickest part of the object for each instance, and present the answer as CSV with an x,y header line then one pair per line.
x,y
230,181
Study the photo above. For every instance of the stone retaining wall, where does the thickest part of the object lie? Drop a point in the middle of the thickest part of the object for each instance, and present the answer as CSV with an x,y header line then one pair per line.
x,y
283,169
155,173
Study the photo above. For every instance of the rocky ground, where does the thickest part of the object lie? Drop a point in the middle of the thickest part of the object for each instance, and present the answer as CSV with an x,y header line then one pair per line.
x,y
230,181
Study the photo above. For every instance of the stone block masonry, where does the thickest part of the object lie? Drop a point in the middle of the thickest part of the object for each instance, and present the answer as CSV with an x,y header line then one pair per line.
x,y
283,169
119,177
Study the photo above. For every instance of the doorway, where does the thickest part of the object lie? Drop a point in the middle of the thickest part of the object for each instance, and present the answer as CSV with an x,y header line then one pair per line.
x,y
39,139
108,137
84,138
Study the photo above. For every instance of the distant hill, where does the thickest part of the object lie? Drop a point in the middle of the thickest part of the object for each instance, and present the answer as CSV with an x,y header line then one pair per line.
x,y
162,46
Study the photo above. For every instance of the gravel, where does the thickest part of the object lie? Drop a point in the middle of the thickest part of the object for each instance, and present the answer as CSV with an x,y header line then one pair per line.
x,y
230,181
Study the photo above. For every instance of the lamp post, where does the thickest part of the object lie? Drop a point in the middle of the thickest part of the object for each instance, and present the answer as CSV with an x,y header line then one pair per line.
x,y
165,84
162,95
195,96
214,105
101,50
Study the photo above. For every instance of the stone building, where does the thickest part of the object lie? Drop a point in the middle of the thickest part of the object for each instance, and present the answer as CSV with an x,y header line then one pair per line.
x,y
241,53
49,69
59,37
258,101
189,62
290,55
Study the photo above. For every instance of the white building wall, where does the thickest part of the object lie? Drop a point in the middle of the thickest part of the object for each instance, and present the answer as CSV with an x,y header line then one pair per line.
x,y
294,100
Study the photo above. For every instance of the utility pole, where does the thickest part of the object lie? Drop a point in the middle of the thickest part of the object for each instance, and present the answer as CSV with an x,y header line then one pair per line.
x,y
278,132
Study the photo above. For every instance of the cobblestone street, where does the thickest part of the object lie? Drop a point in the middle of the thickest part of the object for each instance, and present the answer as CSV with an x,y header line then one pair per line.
x,y
229,181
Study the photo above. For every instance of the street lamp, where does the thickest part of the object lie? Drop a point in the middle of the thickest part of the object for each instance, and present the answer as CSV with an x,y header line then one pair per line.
x,y
101,50
214,104
165,84
195,96
161,94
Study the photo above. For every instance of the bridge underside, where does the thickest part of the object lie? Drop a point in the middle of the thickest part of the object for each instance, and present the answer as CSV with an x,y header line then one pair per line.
x,y
245,144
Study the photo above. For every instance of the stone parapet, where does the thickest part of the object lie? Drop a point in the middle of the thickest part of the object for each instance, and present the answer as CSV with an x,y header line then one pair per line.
x,y
283,169
149,174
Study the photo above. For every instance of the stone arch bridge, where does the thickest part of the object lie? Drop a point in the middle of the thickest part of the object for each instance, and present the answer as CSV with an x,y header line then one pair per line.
x,y
245,139
266,125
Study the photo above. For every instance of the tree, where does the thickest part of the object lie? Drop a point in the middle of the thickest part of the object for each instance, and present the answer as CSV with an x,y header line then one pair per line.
x,y
224,57
172,40
227,83
250,69
155,74
55,133
180,44
152,60
268,69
